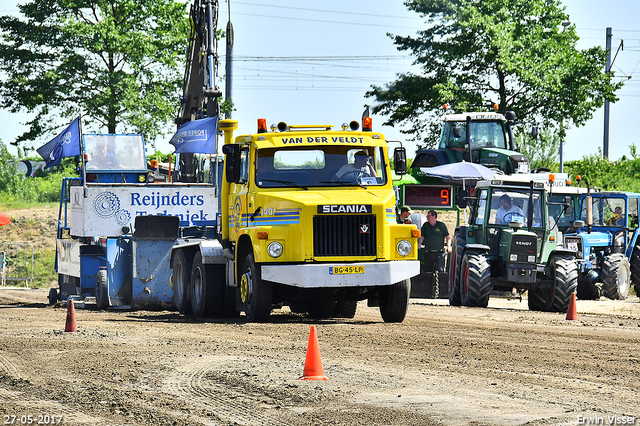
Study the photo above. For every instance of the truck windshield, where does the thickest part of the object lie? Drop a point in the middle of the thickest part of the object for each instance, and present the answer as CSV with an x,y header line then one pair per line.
x,y
115,152
606,211
484,134
513,205
320,166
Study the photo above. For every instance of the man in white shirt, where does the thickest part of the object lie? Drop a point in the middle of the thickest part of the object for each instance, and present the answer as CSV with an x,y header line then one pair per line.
x,y
508,212
361,167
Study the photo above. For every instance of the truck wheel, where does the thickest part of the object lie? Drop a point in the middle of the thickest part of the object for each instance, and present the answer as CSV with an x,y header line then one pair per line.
x,y
207,289
454,261
565,273
102,290
256,294
616,277
475,281
321,310
181,278
394,301
346,308
53,296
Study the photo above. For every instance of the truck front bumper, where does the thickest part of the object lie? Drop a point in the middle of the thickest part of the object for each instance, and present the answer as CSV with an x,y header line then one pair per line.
x,y
323,276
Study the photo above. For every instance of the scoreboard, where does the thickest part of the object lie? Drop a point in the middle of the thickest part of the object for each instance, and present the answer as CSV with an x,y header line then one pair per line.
x,y
428,196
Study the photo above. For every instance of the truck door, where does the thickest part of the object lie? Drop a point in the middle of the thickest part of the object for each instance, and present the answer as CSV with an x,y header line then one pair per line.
x,y
238,198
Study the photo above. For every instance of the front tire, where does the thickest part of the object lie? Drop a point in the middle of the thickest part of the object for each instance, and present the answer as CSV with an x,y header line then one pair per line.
x,y
346,308
454,262
323,309
616,277
256,294
475,281
102,290
181,279
394,301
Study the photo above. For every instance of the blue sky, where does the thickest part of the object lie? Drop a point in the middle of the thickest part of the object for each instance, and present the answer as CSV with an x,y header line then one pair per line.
x,y
306,62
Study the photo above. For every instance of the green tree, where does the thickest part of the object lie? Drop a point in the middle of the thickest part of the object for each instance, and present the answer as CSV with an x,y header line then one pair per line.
x,y
515,53
119,62
542,151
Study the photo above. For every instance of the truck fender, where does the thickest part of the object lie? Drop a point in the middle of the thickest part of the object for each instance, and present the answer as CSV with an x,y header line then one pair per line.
x,y
212,253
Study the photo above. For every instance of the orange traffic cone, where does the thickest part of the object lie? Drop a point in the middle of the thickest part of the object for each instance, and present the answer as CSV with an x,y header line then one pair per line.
x,y
572,313
313,364
72,325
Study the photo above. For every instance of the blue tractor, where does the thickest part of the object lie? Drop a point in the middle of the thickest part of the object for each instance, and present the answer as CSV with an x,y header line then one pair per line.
x,y
606,243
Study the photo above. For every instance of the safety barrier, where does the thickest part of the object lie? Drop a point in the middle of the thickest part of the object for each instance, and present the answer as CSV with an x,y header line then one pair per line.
x,y
16,262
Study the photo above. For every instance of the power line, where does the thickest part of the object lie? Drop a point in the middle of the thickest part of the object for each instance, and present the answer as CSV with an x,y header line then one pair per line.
x,y
327,11
328,21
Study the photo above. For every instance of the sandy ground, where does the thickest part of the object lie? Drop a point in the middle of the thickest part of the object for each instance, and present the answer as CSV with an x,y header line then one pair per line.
x,y
445,365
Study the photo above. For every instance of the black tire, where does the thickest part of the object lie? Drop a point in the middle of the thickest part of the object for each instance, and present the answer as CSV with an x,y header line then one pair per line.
x,y
616,277
257,294
564,272
634,263
454,261
566,281
588,291
102,290
181,279
394,301
53,296
322,309
475,280
346,308
207,288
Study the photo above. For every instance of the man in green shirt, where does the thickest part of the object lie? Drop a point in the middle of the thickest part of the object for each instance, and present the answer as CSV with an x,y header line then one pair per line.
x,y
436,239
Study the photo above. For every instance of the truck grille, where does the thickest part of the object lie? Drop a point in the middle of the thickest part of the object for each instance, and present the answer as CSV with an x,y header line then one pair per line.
x,y
344,235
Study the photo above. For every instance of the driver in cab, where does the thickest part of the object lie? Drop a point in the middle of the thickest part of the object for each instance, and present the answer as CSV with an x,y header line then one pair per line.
x,y
508,212
361,166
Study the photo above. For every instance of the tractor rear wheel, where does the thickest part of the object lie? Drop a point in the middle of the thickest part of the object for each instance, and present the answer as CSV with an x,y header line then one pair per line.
x,y
616,277
635,268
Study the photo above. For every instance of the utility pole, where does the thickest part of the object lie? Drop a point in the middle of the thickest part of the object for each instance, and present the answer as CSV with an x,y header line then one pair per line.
x,y
229,58
605,143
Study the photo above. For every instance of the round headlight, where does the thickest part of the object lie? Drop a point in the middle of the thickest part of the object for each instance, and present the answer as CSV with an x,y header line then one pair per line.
x,y
274,249
404,248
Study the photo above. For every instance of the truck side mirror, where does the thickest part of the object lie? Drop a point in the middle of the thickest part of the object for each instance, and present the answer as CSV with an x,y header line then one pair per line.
x,y
232,162
400,160
461,198
457,132
510,115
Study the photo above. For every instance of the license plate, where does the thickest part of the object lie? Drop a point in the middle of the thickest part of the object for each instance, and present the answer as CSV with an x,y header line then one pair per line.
x,y
572,246
343,270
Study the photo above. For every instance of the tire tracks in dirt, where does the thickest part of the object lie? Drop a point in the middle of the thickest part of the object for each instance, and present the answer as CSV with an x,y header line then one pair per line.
x,y
196,383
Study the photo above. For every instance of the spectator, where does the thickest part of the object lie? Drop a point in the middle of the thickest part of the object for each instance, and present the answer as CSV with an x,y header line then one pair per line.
x,y
437,241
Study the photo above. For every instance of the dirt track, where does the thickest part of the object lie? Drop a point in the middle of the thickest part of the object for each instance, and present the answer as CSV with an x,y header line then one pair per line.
x,y
442,365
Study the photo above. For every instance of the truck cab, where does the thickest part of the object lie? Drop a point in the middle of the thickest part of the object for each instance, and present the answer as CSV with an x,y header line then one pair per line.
x,y
308,220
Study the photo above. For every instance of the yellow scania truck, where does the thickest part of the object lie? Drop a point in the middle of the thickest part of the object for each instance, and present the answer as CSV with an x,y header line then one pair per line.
x,y
306,220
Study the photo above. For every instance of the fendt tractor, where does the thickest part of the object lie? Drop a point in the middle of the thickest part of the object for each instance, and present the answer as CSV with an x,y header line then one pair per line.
x,y
484,138
606,242
512,242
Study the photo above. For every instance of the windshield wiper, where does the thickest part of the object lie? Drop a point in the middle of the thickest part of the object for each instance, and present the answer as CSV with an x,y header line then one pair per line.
x,y
284,182
341,183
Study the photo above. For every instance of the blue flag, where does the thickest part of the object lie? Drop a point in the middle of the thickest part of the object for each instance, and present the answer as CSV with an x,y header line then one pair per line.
x,y
196,137
66,144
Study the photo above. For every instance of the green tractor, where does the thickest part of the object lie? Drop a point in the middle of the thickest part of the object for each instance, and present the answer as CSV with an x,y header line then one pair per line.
x,y
478,137
511,242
